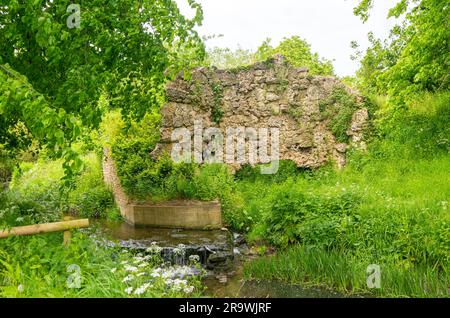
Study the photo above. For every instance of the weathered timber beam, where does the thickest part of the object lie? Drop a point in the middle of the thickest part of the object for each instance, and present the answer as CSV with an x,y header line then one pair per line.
x,y
45,228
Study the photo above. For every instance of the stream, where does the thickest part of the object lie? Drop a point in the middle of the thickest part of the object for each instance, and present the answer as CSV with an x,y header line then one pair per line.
x,y
220,253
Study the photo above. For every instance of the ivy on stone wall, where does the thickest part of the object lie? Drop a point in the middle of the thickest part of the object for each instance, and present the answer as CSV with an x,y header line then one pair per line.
x,y
217,111
338,110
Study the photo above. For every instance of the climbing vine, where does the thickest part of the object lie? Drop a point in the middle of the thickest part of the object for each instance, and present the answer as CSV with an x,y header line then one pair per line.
x,y
338,110
217,111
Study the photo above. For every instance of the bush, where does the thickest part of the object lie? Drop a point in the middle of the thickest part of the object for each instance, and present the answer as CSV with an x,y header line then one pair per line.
x,y
137,170
420,130
90,197
7,164
36,194
299,216
286,169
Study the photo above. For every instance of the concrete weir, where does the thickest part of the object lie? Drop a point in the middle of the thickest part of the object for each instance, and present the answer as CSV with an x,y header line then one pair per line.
x,y
182,214
176,214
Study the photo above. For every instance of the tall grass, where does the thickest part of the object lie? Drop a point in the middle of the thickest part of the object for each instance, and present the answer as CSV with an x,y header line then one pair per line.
x,y
346,273
399,218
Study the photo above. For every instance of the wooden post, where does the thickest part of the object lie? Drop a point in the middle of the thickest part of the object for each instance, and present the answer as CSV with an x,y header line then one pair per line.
x,y
67,234
45,228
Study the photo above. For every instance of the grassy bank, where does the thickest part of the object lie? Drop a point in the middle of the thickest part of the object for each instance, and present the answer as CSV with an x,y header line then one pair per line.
x,y
346,273
389,207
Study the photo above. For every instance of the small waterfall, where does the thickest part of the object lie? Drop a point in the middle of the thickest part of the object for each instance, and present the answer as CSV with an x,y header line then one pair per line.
x,y
213,249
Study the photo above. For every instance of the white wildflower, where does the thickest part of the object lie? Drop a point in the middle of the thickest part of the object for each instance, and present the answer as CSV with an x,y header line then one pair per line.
x,y
138,259
178,251
178,284
154,249
129,290
141,290
113,270
20,288
188,289
156,272
128,278
167,274
194,258
132,269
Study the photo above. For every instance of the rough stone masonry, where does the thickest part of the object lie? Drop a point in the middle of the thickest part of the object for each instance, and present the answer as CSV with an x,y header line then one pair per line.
x,y
269,94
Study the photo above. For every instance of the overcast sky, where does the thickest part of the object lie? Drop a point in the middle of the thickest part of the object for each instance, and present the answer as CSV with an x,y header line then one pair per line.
x,y
328,25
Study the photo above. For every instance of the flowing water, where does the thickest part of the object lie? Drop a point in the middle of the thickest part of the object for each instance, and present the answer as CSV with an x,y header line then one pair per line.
x,y
221,253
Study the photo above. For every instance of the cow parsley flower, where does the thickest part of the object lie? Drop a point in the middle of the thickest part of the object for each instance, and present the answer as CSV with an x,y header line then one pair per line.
x,y
188,289
194,258
142,289
132,269
129,290
156,272
154,249
128,278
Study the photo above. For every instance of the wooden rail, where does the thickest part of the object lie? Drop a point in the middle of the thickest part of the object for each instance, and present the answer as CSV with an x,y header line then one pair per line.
x,y
64,226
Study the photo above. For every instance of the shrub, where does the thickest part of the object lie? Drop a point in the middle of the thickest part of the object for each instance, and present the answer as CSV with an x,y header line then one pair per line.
x,y
90,196
420,130
286,169
36,194
137,170
299,216
7,164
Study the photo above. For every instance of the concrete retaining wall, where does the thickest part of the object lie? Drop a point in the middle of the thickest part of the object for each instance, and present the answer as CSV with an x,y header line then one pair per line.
x,y
186,214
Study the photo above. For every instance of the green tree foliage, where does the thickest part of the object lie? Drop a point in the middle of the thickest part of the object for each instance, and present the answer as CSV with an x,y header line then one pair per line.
x,y
19,102
53,75
224,58
415,58
298,53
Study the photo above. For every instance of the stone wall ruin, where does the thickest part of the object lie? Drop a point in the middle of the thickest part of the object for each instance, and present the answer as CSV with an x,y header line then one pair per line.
x,y
269,94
